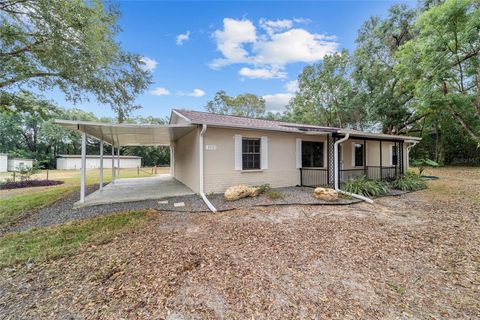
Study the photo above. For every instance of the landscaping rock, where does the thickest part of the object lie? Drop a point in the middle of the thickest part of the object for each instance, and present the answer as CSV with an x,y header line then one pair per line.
x,y
240,191
326,194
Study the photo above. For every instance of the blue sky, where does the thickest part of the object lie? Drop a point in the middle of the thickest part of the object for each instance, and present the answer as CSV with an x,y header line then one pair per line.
x,y
196,48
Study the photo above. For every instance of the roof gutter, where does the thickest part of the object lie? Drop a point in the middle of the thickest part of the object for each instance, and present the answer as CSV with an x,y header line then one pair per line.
x,y
335,165
202,169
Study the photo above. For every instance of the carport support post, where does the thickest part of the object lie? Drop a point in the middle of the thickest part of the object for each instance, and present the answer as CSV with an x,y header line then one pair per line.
x,y
83,169
118,161
113,162
101,164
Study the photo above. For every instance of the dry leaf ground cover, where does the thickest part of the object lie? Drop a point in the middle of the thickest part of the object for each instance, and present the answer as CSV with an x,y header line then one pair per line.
x,y
411,256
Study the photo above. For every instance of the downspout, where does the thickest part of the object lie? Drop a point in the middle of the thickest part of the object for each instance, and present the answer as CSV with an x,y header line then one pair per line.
x,y
335,165
202,193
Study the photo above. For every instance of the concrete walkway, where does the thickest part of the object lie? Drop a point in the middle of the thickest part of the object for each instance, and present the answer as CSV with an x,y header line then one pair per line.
x,y
136,189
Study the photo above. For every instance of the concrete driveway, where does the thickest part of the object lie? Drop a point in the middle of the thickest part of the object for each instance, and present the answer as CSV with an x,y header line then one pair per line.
x,y
136,189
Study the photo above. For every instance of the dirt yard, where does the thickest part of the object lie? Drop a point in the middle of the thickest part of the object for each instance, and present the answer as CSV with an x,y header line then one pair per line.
x,y
415,256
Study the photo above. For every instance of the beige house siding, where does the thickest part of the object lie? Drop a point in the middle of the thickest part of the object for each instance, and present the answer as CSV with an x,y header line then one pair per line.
x,y
220,170
186,168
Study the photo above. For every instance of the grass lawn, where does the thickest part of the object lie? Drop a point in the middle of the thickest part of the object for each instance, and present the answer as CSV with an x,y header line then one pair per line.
x,y
14,203
52,242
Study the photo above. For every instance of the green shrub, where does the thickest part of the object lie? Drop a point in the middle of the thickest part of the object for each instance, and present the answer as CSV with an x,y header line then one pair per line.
x,y
422,163
410,182
368,188
274,195
264,187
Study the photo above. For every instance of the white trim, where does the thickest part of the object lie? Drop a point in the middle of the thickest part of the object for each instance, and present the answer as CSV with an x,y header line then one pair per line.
x,y
83,168
202,169
298,153
238,152
263,153
181,116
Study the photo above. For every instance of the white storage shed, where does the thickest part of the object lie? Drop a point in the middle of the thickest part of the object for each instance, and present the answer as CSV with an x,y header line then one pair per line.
x,y
3,162
68,162
17,164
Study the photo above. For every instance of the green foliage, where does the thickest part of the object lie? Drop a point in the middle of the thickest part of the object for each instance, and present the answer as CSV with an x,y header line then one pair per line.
x,y
264,187
39,245
69,45
326,94
384,99
246,105
422,163
274,195
441,64
409,182
366,187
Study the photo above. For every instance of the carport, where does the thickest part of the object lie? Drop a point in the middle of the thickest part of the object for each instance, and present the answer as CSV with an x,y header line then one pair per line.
x,y
118,135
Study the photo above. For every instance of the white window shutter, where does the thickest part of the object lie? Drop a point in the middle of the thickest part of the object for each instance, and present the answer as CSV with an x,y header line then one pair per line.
x,y
264,153
298,153
238,152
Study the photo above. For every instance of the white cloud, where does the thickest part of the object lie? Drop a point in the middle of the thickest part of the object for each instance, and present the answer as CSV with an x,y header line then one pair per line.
x,y
272,26
197,93
160,91
262,73
277,102
230,41
294,45
271,50
148,64
183,37
291,86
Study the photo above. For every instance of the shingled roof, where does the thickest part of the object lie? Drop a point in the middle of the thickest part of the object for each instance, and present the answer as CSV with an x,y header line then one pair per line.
x,y
221,120
198,117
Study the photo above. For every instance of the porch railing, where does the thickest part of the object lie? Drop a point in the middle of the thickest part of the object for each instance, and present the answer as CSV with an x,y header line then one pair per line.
x,y
313,177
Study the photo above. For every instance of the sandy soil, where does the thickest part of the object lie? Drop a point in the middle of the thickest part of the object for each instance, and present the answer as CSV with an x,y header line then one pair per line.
x,y
411,256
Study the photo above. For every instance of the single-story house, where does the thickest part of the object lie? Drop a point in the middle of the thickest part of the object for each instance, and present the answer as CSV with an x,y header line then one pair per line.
x,y
70,161
211,152
14,164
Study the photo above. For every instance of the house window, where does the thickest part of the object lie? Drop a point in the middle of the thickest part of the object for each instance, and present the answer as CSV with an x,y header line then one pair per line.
x,y
312,154
358,155
394,155
250,154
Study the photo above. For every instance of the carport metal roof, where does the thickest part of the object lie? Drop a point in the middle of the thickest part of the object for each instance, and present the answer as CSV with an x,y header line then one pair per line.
x,y
129,134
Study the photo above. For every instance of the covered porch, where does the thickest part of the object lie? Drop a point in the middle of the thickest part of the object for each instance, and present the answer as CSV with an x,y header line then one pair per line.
x,y
359,155
118,136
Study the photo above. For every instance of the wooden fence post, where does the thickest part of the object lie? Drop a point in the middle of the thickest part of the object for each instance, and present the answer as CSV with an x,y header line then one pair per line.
x,y
138,170
47,174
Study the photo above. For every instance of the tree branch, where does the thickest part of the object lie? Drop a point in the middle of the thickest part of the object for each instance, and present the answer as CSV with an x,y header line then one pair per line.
x,y
28,76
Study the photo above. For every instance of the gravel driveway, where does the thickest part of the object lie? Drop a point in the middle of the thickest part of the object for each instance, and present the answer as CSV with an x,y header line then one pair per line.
x,y
62,211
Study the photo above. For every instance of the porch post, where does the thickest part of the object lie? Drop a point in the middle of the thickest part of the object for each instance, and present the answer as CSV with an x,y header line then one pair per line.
x,y
83,169
365,169
172,161
331,160
101,164
113,162
118,161
381,161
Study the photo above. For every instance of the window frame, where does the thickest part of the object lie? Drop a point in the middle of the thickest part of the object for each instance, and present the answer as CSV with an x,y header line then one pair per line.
x,y
257,154
321,158
392,154
354,154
